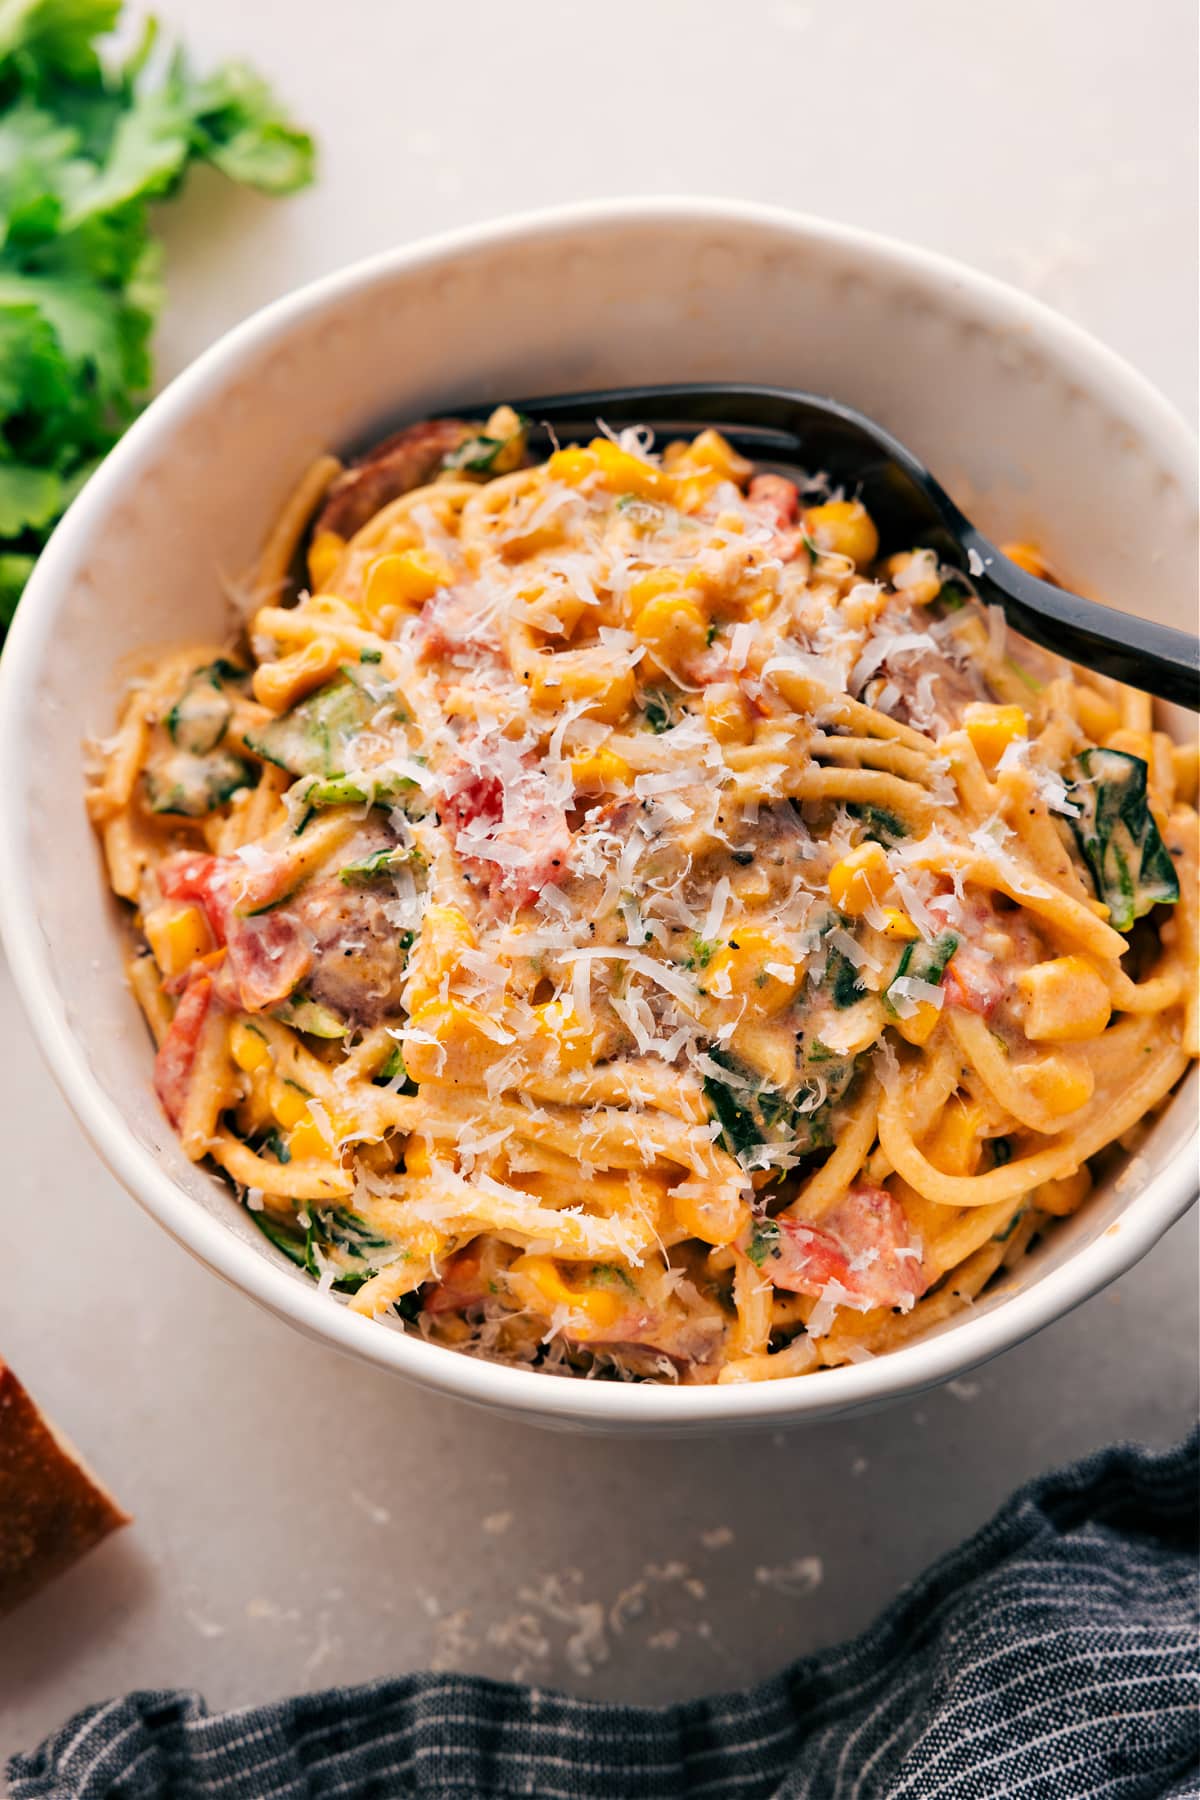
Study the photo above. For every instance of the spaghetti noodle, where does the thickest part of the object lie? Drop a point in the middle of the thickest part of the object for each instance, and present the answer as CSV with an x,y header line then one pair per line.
x,y
613,921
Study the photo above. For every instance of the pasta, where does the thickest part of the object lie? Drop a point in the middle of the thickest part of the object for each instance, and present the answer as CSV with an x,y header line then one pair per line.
x,y
602,915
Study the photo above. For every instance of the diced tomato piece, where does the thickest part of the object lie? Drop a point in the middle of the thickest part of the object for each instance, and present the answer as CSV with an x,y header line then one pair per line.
x,y
177,1052
269,952
806,1258
449,626
512,837
776,500
462,1284
470,794
863,1245
268,958
871,1220
972,983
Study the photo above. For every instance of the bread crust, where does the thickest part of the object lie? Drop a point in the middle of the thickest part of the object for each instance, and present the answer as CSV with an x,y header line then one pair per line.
x,y
52,1508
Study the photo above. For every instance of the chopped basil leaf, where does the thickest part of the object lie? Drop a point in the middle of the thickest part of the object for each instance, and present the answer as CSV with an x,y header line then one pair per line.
x,y
312,739
658,712
1120,841
200,717
272,1144
283,1237
880,825
194,786
485,454
924,962
764,1242
842,978
753,1113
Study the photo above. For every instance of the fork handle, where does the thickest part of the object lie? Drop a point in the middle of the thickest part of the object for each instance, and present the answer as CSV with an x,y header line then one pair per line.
x,y
1157,658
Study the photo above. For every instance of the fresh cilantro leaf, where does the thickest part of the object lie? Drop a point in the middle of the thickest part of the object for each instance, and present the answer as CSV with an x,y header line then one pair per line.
x,y
87,142
29,498
148,153
56,36
237,125
15,570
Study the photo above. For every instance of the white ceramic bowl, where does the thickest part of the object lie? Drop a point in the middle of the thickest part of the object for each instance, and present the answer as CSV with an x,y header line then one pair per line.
x,y
1037,430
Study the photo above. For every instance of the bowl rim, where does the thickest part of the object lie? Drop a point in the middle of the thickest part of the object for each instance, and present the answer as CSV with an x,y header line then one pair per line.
x,y
925,1362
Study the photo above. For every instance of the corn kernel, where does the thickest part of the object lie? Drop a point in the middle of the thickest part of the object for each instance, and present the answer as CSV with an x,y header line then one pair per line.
x,y
305,1140
673,629
704,464
466,1044
1059,1084
992,728
915,574
177,935
324,555
580,675
596,1310
711,452
920,1028
844,528
248,1048
859,880
897,924
572,465
418,1158
287,1103
729,713
628,474
644,588
1065,1195
739,969
1065,1000
403,581
595,771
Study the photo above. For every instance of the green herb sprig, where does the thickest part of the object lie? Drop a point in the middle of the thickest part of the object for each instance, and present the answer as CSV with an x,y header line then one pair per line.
x,y
87,143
